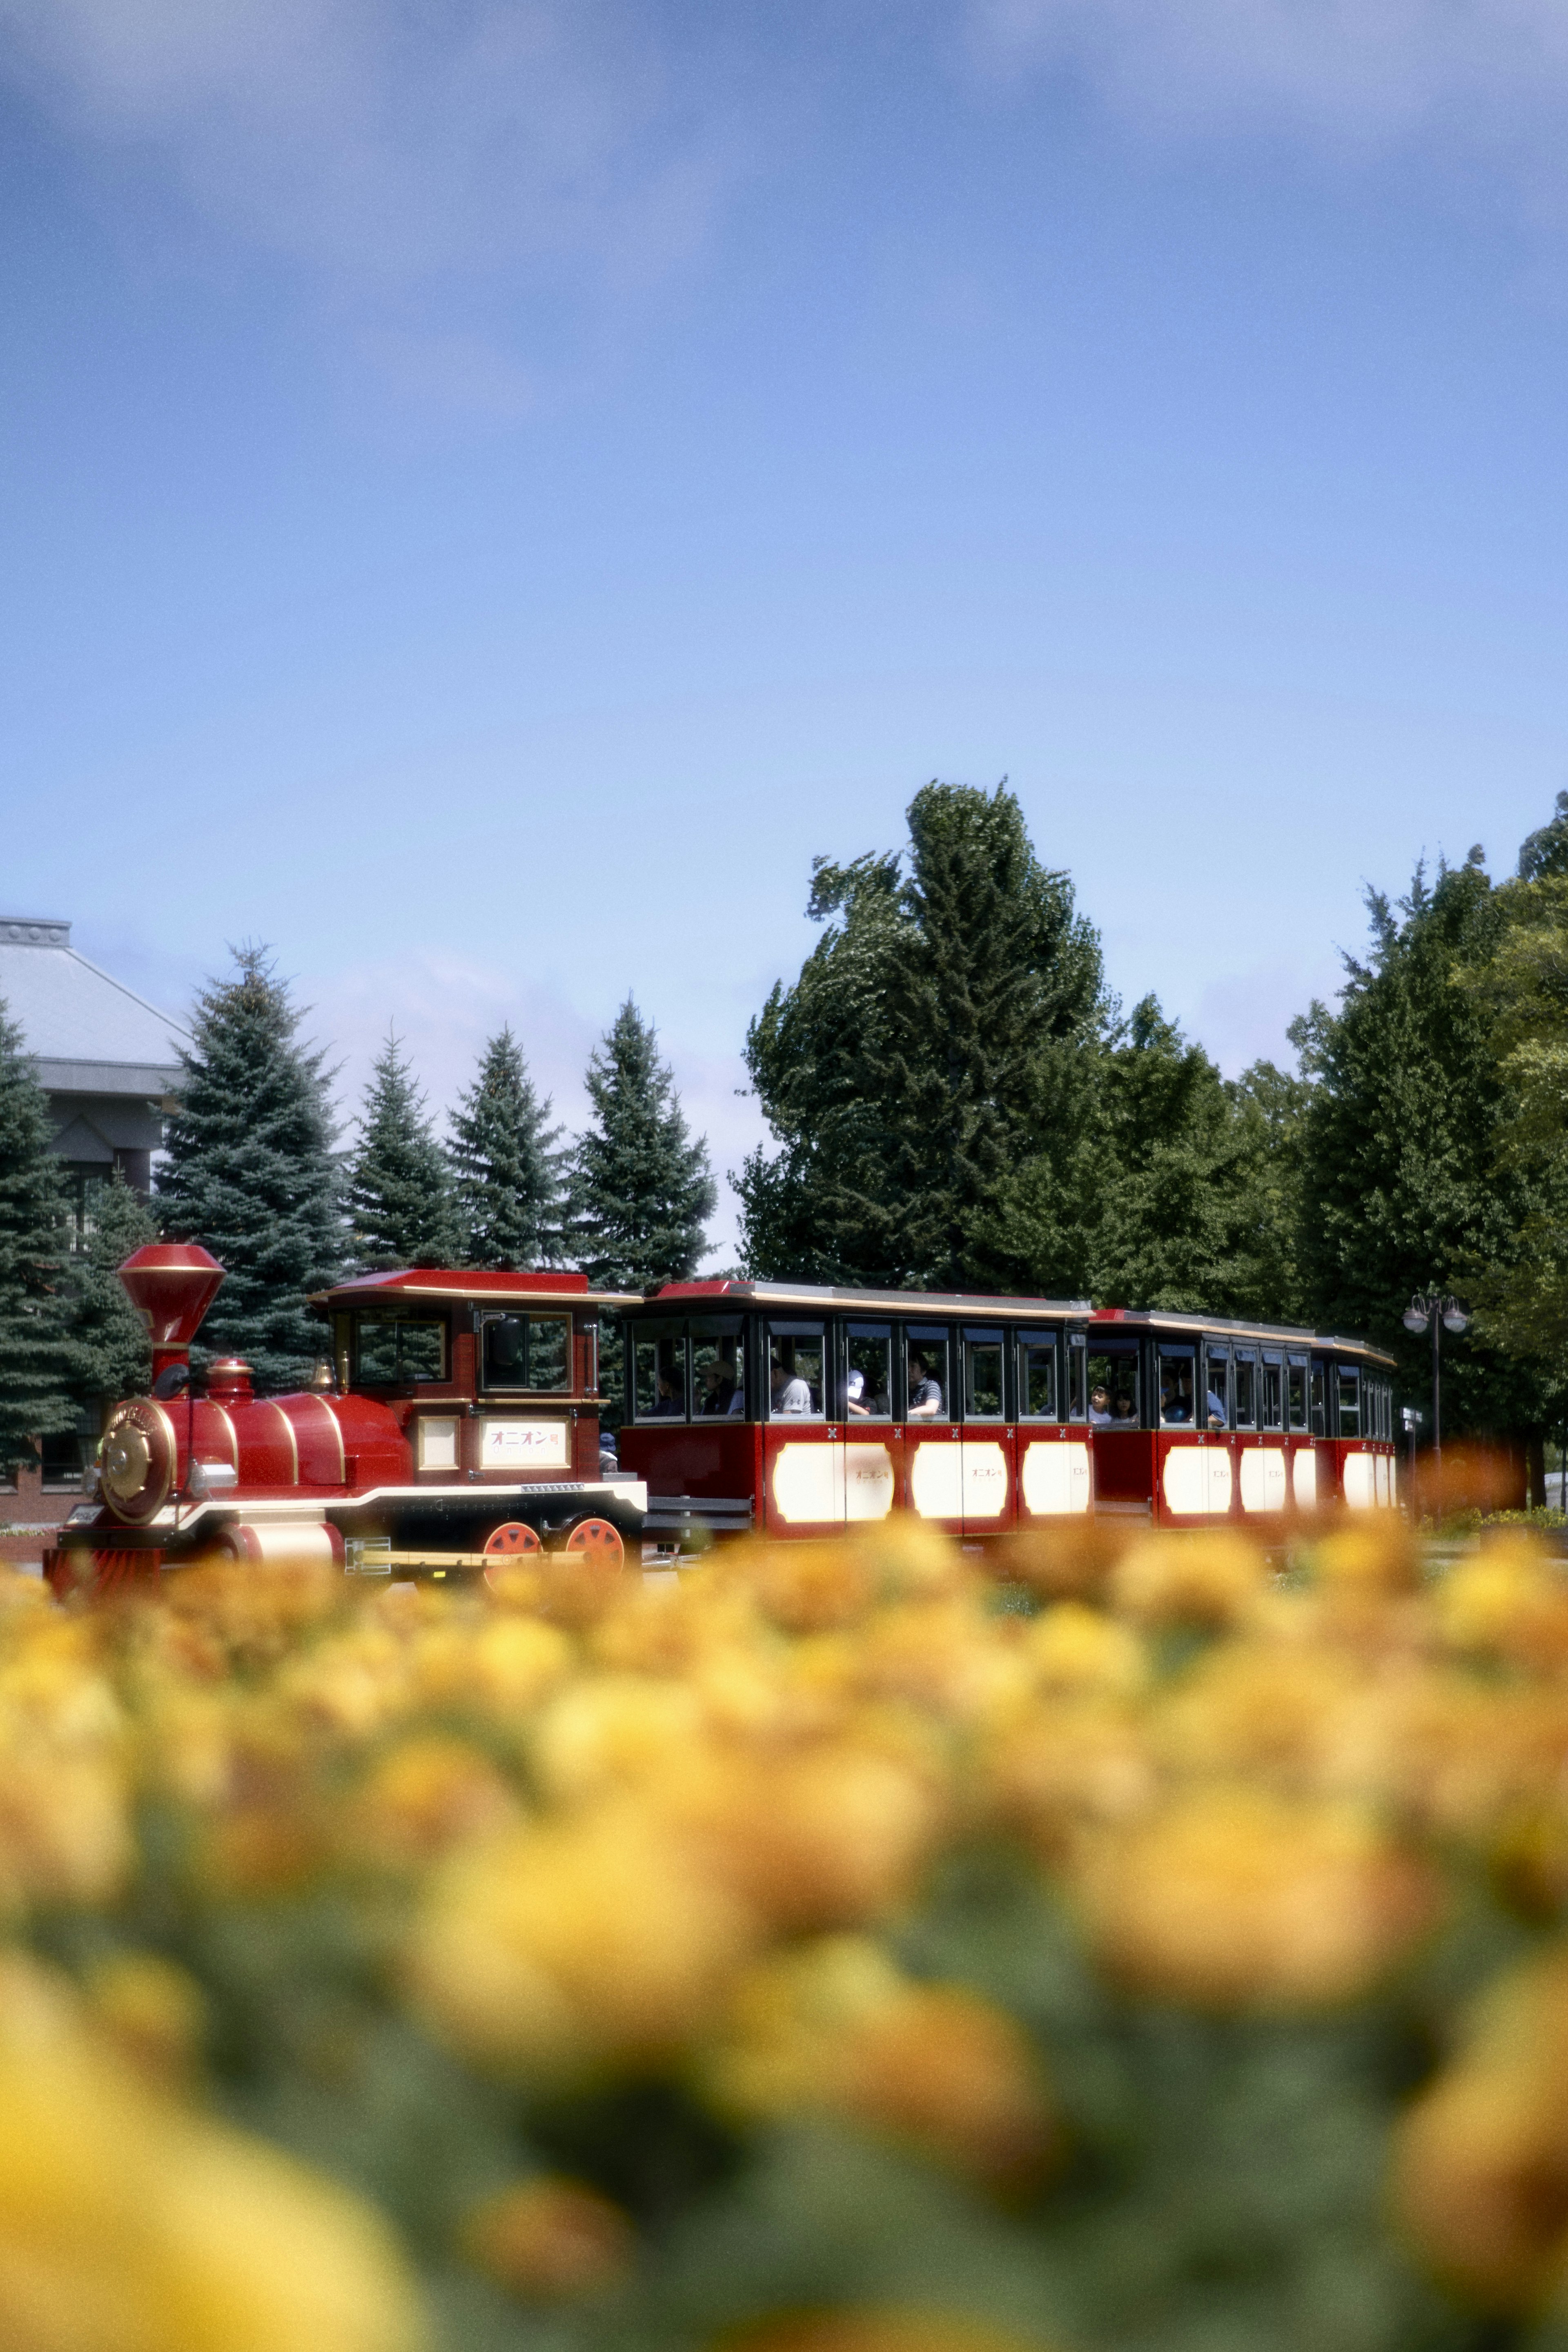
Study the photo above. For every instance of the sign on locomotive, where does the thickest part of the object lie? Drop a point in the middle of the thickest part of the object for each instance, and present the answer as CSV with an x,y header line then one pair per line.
x,y
455,1419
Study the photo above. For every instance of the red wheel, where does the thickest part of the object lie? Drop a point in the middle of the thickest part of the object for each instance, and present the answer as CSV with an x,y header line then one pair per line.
x,y
599,1540
507,1541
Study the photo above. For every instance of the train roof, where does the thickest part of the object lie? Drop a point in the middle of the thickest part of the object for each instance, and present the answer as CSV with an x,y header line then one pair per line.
x,y
979,1307
554,1284
1227,1326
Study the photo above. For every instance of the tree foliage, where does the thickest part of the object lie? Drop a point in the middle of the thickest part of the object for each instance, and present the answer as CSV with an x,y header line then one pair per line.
x,y
507,1165
111,1354
400,1189
641,1188
35,1355
251,1171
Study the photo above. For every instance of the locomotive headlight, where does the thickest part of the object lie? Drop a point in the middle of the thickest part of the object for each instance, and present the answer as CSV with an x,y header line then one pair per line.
x,y
136,1464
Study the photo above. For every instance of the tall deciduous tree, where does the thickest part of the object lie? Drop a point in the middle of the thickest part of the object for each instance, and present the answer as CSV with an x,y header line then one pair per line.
x,y
35,1355
507,1165
111,1354
641,1188
251,1171
934,1036
400,1187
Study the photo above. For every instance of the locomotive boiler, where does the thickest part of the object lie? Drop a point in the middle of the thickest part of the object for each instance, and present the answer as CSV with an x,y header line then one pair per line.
x,y
454,1419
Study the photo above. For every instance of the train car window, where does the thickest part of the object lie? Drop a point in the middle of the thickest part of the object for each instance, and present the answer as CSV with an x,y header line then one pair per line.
x,y
1113,1388
1316,1390
868,1371
1038,1377
1247,1388
1349,1384
1077,1376
527,1351
393,1351
1296,1392
1178,1376
983,1376
796,1365
658,1373
718,1369
926,1350
1216,1392
1273,1393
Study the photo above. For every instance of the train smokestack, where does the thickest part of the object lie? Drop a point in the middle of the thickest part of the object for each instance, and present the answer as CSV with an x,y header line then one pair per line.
x,y
171,1285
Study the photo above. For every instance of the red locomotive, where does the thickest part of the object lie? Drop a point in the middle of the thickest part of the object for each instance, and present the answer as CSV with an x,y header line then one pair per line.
x,y
799,1409
457,1419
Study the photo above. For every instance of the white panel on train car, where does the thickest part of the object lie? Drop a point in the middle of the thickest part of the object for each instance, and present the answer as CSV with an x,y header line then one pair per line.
x,y
524,1444
984,1481
1263,1480
808,1483
1381,1480
1360,1486
437,1447
868,1482
1304,1478
1054,1478
1184,1481
1217,1476
936,1481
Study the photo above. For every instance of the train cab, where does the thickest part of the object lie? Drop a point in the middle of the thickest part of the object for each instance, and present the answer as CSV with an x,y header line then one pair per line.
x,y
799,1409
1196,1419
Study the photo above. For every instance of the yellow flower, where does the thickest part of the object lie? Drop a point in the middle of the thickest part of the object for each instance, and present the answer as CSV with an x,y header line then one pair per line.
x,y
1376,1558
426,1795
153,2012
1510,1604
1075,1651
550,2239
1286,1714
129,2224
611,1731
1214,1579
1066,1771
1230,1899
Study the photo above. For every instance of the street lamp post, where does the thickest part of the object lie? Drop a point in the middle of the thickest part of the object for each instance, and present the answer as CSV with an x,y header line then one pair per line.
x,y
1444,1313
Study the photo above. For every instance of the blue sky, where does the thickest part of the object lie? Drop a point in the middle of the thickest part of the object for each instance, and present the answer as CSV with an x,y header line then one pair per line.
x,y
488,493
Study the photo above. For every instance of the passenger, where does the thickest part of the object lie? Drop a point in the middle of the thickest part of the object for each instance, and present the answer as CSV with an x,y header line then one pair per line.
x,y
1216,1410
1099,1406
1174,1405
1122,1409
925,1388
855,1396
790,1394
669,1407
736,1408
717,1388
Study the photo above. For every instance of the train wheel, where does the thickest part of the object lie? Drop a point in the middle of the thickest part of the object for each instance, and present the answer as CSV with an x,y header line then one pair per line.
x,y
508,1542
599,1540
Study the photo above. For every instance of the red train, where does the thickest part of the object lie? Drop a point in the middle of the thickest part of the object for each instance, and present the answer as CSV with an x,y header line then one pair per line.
x,y
798,1410
457,1418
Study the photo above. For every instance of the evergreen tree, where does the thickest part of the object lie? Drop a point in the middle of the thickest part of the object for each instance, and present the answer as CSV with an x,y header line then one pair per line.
x,y
250,1172
400,1190
936,1034
113,1356
35,1357
506,1165
641,1188
1546,853
1401,1180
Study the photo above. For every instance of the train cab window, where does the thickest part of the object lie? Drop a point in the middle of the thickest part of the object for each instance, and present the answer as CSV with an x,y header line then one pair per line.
x,y
1113,1388
1273,1392
1317,1391
718,1369
1348,1380
1295,1392
983,1376
868,1371
1077,1376
658,1373
1178,1367
1217,1390
527,1351
795,1369
926,1351
393,1351
1247,1388
1038,1377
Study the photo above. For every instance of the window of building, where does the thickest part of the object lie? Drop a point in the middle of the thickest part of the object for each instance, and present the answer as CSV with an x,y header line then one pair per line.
x,y
868,1371
1038,1377
983,1376
527,1351
393,1351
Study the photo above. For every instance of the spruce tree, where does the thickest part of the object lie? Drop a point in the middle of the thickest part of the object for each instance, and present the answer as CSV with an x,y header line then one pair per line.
x,y
400,1191
111,1354
251,1171
35,1356
506,1165
641,1188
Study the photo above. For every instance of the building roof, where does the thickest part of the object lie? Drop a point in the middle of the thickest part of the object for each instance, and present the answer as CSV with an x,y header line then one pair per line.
x,y
87,1033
